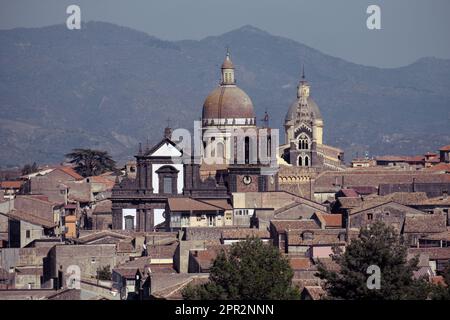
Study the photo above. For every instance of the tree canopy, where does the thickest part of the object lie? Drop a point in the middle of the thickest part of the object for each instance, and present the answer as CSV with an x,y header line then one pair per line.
x,y
30,168
91,162
380,246
248,270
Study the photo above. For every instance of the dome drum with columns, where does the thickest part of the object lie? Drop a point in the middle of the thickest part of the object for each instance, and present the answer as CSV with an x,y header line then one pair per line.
x,y
225,109
228,105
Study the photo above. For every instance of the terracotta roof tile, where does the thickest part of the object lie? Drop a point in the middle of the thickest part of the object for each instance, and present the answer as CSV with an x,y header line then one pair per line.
x,y
11,184
24,216
315,292
300,263
242,233
189,204
428,223
319,237
71,172
281,226
433,253
333,220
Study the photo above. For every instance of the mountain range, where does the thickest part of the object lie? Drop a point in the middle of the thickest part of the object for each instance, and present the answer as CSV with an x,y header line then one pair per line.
x,y
110,87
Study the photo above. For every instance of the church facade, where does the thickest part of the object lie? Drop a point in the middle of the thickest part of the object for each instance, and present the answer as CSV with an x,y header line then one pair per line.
x,y
239,156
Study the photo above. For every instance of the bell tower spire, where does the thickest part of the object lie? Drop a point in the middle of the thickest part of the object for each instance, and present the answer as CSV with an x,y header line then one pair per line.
x,y
228,70
303,86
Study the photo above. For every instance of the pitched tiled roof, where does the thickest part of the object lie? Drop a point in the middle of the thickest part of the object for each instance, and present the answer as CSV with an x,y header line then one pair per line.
x,y
162,251
125,246
206,257
71,172
93,236
349,202
172,287
11,184
189,204
328,263
441,167
282,226
103,206
319,237
300,263
332,220
349,192
326,181
433,252
401,198
242,233
400,158
30,270
427,223
445,148
24,216
221,203
109,184
445,235
406,198
315,292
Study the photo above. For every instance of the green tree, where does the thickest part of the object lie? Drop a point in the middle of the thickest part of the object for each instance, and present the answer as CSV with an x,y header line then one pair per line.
x,y
104,273
379,245
248,270
30,168
91,162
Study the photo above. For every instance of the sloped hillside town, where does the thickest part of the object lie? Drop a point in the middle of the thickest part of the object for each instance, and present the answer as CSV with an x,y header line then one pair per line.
x,y
154,226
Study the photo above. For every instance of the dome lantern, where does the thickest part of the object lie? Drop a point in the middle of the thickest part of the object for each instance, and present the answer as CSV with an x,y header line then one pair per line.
x,y
228,71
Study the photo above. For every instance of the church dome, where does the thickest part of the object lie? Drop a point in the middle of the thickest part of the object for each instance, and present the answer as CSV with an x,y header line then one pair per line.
x,y
228,102
312,105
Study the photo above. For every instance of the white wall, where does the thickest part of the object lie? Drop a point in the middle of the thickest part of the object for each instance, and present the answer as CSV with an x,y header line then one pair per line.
x,y
158,216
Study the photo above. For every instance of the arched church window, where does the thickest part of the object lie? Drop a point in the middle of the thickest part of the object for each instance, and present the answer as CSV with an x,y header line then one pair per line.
x,y
300,161
303,142
220,150
306,161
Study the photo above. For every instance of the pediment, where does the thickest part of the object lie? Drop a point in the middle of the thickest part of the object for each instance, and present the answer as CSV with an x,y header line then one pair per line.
x,y
165,148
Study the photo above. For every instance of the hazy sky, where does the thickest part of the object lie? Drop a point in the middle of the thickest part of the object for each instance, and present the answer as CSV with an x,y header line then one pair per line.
x,y
411,29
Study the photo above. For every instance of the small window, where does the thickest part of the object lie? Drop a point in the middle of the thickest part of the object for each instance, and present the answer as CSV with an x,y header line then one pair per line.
x,y
167,185
199,217
129,222
369,216
28,234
